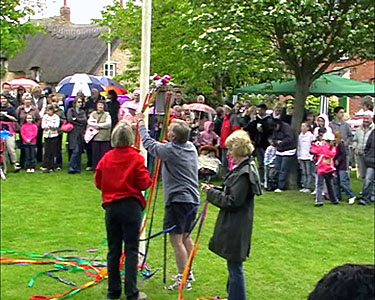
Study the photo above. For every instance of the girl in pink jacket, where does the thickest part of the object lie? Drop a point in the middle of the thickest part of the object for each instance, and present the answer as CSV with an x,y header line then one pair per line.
x,y
29,132
207,137
325,167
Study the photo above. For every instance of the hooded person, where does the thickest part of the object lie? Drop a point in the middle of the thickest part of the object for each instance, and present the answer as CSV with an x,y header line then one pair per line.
x,y
323,122
208,135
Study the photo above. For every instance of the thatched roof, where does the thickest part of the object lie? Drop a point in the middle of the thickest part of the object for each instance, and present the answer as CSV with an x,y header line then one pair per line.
x,y
63,50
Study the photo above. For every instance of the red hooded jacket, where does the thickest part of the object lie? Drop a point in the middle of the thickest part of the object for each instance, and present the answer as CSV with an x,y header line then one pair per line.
x,y
122,173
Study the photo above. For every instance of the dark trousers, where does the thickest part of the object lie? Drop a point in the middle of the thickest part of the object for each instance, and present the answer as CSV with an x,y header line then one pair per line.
x,y
282,165
224,161
123,221
39,145
259,153
327,178
50,150
59,161
88,148
99,148
29,152
236,281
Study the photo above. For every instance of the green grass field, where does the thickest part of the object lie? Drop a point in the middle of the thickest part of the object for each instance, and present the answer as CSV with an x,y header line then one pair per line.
x,y
293,243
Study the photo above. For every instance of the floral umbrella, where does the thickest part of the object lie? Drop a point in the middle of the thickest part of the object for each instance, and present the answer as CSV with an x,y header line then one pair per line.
x,y
200,107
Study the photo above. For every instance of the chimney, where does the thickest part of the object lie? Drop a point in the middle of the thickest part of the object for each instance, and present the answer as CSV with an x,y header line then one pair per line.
x,y
65,12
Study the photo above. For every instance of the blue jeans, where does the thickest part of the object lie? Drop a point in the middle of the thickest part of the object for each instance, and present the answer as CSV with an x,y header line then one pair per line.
x,y
236,281
327,177
30,154
282,165
307,173
368,192
123,222
343,182
75,158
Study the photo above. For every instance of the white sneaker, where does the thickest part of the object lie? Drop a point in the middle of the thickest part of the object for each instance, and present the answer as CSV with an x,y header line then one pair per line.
x,y
32,170
302,190
306,191
313,193
28,171
190,278
88,169
278,191
351,200
176,284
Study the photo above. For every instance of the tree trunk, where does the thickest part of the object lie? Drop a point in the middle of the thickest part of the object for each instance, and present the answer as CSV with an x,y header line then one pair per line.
x,y
218,86
302,91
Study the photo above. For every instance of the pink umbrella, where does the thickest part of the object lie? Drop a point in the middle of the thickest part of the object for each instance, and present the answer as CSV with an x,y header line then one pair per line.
x,y
200,107
25,82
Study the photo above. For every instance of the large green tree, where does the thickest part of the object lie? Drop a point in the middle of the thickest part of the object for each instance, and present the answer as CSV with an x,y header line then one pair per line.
x,y
15,25
312,34
306,35
202,57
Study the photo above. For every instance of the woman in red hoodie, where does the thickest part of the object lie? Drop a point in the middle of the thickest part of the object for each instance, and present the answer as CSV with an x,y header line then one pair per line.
x,y
121,175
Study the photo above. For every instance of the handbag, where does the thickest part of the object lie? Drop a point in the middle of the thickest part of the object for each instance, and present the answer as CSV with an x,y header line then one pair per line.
x,y
67,127
90,132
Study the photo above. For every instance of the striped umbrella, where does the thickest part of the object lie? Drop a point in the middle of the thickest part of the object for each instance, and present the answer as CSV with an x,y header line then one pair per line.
x,y
80,82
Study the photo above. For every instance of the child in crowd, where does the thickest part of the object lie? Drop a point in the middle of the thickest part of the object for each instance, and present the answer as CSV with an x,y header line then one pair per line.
x,y
208,163
305,158
50,125
323,125
270,179
325,153
343,179
29,132
208,136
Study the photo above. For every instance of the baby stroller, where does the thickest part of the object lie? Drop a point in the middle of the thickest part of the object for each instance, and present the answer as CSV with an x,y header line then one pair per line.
x,y
208,162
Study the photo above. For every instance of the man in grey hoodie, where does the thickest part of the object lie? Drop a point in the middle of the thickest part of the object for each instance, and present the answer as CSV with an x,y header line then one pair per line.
x,y
180,181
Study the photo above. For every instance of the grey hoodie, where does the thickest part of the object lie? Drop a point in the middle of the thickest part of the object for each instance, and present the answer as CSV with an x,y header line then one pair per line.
x,y
179,169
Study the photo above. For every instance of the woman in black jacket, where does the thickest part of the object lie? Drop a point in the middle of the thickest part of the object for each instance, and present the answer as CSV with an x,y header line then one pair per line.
x,y
77,116
232,234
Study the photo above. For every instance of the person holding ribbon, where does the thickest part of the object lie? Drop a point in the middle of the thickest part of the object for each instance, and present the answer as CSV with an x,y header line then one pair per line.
x,y
121,175
180,179
232,234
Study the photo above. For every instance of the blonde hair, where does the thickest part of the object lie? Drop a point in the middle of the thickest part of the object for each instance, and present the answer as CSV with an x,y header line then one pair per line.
x,y
122,136
239,143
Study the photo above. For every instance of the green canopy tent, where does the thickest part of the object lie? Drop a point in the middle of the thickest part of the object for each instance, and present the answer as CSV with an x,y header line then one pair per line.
x,y
325,85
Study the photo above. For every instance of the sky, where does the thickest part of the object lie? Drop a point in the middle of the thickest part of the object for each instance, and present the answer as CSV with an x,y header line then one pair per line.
x,y
81,11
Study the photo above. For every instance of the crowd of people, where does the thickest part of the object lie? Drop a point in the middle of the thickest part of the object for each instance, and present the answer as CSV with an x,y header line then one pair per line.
x,y
228,143
325,149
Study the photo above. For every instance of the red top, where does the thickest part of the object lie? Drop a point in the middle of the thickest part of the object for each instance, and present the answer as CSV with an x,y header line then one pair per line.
x,y
226,129
122,173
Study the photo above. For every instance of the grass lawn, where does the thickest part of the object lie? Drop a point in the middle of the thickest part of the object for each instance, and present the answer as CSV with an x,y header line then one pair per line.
x,y
293,243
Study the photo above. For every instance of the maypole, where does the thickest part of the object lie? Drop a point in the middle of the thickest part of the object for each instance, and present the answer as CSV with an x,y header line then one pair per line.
x,y
145,77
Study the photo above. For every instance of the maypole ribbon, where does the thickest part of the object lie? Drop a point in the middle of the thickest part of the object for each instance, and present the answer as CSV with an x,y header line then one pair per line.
x,y
193,253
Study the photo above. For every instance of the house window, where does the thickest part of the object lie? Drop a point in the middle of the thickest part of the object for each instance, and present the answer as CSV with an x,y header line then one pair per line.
x,y
110,69
35,73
